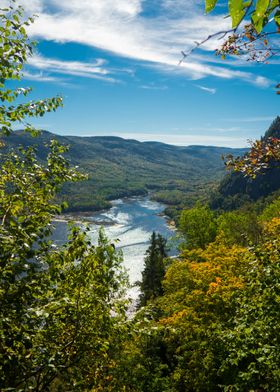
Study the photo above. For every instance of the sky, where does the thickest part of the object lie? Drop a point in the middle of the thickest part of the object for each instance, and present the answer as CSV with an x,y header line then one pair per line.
x,y
116,65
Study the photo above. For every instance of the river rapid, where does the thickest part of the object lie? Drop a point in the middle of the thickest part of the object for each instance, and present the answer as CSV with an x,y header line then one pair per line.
x,y
131,222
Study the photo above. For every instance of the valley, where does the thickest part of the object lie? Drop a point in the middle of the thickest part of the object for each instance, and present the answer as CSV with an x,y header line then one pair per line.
x,y
117,168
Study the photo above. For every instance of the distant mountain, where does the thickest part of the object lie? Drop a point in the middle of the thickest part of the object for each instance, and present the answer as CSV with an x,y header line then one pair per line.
x,y
235,188
119,167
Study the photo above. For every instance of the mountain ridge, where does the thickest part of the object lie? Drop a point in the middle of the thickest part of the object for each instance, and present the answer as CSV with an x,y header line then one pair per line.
x,y
120,167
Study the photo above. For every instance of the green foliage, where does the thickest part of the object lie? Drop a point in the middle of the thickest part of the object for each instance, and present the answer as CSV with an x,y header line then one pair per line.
x,y
15,48
62,311
258,174
215,326
210,5
119,168
271,211
274,129
261,11
237,11
238,227
56,304
198,226
153,273
253,343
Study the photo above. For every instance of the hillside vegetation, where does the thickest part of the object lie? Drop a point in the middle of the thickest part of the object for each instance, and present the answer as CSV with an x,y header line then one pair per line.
x,y
118,167
236,189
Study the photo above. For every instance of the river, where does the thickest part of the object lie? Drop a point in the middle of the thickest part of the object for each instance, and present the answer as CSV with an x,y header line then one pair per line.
x,y
132,222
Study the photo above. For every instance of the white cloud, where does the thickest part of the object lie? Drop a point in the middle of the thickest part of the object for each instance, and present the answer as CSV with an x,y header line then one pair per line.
x,y
40,77
153,86
207,89
121,27
95,70
262,81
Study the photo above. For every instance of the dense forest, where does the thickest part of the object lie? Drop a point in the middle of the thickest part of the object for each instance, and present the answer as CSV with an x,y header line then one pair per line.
x,y
207,320
117,167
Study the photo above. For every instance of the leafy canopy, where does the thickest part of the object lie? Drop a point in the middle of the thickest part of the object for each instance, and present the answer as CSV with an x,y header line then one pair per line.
x,y
15,48
260,11
61,308
198,226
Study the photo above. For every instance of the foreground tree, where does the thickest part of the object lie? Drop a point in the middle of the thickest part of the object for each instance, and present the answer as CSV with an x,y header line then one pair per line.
x,y
61,309
15,48
251,39
253,341
261,20
153,273
217,322
263,155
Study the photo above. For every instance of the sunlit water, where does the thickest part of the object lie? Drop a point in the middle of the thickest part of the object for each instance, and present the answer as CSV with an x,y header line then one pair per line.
x,y
131,222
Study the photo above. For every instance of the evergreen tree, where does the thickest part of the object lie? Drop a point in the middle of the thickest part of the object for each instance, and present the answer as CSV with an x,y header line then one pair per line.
x,y
153,274
274,129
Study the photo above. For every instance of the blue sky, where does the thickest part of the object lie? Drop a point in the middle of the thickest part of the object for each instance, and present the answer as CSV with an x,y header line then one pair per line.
x,y
115,62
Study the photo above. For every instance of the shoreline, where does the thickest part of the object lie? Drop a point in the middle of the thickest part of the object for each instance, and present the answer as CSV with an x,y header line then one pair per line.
x,y
87,217
79,220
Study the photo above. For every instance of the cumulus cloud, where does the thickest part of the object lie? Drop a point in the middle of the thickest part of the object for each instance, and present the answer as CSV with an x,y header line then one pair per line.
x,y
153,32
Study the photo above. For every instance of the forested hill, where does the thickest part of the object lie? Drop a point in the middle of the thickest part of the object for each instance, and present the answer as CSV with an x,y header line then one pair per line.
x,y
236,189
119,167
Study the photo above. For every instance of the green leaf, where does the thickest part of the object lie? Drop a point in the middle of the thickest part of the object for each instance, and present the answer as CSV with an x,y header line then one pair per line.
x,y
258,22
273,5
236,11
277,18
259,17
261,7
210,5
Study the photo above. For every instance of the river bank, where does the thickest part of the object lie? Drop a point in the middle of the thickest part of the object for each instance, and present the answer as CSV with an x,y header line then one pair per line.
x,y
131,222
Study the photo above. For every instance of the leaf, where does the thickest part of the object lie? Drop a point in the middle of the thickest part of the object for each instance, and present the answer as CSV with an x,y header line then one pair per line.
x,y
210,5
259,17
236,10
277,18
258,22
261,7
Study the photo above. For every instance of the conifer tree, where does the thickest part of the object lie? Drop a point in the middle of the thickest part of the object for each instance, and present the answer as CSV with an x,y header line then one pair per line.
x,y
153,274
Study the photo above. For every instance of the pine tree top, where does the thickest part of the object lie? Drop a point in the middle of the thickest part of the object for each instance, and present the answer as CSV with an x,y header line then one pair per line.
x,y
274,129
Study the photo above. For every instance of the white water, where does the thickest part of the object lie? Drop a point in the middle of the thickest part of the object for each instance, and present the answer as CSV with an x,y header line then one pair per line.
x,y
131,222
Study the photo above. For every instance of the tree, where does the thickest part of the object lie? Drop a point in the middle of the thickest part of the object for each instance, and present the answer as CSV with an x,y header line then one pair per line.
x,y
238,227
153,272
198,226
15,48
263,155
271,211
253,340
62,311
251,38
